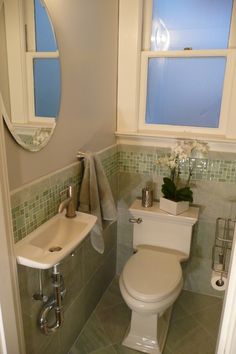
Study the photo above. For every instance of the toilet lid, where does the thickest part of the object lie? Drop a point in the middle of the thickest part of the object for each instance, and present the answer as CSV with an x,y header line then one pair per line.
x,y
151,275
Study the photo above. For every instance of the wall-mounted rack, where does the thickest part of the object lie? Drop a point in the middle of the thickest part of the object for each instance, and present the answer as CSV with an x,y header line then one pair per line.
x,y
80,155
221,250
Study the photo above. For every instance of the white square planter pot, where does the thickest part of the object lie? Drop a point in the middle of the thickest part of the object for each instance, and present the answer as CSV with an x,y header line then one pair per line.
x,y
174,208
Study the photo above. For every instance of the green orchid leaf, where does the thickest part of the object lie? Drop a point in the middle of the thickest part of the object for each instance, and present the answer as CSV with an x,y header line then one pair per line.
x,y
168,188
184,194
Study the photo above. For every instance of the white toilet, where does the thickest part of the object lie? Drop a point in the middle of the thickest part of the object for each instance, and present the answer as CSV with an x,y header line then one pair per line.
x,y
152,278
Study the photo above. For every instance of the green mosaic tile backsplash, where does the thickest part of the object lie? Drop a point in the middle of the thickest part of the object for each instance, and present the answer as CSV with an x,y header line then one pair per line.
x,y
38,202
203,169
111,164
34,204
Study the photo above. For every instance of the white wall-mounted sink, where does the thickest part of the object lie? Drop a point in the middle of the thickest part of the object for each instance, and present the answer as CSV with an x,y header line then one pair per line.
x,y
53,240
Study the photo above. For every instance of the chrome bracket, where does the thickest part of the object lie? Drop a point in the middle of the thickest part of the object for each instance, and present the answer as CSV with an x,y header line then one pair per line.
x,y
135,220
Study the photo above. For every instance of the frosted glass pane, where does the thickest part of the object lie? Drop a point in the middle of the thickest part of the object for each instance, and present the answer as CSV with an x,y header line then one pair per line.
x,y
199,24
185,91
47,87
45,39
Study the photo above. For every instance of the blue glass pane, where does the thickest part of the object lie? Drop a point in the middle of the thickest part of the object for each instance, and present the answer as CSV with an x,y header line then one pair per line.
x,y
45,39
199,24
185,91
47,87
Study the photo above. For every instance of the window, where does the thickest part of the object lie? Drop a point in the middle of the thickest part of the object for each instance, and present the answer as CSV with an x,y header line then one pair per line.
x,y
200,24
33,65
185,74
46,74
185,91
179,74
43,68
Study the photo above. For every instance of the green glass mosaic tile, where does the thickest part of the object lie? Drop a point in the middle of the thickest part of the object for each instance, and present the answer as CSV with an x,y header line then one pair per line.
x,y
109,158
36,203
110,164
203,169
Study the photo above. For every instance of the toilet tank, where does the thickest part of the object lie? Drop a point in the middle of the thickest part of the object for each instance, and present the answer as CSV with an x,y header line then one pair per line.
x,y
161,229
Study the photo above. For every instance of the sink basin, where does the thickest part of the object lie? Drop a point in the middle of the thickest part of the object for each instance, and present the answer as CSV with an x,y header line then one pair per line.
x,y
54,240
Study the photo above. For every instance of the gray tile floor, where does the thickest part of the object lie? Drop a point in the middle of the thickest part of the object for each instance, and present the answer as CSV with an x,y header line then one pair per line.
x,y
193,329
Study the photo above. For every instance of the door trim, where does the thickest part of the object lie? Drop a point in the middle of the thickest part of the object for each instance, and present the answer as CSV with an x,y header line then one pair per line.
x,y
11,326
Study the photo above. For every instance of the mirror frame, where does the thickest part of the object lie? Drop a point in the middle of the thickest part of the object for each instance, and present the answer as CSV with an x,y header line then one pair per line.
x,y
21,81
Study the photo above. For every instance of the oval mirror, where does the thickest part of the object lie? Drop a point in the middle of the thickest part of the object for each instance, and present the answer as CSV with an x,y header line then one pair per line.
x,y
29,72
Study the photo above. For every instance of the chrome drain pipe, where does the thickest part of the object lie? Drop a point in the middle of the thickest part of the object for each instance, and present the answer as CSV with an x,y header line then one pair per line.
x,y
55,302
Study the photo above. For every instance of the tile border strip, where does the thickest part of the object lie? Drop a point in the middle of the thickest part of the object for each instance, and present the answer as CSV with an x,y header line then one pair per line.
x,y
35,203
144,162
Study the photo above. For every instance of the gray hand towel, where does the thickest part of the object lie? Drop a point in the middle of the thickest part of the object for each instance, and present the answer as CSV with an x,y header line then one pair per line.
x,y
96,198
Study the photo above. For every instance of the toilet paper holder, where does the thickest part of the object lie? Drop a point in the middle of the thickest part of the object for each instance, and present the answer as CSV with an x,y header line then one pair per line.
x,y
221,250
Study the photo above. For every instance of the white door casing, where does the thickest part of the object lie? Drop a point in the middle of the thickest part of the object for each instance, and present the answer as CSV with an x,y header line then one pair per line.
x,y
11,328
226,343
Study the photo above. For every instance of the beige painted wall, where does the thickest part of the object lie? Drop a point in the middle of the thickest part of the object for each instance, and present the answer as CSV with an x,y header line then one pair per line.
x,y
87,32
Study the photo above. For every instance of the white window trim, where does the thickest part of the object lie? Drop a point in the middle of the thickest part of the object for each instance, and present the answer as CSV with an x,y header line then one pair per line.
x,y
132,15
30,56
229,54
30,25
16,61
20,69
130,40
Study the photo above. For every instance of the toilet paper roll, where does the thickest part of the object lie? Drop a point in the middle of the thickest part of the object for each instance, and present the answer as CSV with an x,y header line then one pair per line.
x,y
216,281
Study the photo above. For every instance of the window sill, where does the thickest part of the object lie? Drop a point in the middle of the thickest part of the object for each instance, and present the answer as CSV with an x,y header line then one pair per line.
x,y
168,139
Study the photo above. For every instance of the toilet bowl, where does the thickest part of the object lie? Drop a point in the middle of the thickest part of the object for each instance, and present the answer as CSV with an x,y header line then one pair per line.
x,y
150,283
151,280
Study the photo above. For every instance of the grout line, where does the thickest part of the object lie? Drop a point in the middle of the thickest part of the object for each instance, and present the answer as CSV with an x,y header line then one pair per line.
x,y
111,306
202,325
106,347
185,336
93,312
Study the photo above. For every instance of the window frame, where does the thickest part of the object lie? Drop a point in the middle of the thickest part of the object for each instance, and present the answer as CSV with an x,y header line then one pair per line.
x,y
230,56
21,54
31,54
134,45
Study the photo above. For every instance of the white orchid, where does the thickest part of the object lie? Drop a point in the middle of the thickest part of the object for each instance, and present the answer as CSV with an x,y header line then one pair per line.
x,y
39,136
185,149
172,187
182,151
169,161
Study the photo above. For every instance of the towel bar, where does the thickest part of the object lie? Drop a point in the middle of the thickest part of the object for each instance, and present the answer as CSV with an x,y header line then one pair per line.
x,y
80,155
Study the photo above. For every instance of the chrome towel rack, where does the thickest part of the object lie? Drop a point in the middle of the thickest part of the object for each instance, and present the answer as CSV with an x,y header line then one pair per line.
x,y
80,155
221,250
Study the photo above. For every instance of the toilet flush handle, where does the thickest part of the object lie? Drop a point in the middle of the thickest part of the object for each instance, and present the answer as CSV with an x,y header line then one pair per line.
x,y
136,220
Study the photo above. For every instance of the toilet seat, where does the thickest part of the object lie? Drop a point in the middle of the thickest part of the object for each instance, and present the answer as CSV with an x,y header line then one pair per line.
x,y
150,276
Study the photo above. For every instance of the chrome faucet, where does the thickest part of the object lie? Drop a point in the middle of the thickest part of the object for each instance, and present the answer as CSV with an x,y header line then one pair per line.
x,y
68,203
